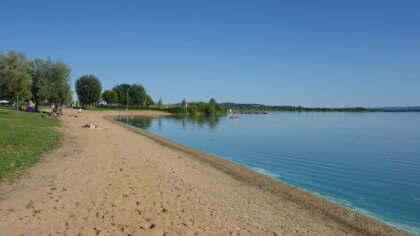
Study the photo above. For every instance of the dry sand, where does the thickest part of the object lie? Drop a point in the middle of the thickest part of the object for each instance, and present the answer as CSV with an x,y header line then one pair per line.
x,y
123,181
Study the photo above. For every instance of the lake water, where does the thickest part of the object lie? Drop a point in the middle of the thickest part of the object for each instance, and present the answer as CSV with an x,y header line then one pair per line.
x,y
368,162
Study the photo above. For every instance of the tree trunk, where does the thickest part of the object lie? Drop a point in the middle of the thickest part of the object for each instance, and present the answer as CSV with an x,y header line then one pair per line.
x,y
17,104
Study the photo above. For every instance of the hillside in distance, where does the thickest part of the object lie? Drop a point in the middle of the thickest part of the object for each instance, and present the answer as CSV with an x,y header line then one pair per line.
x,y
414,108
262,106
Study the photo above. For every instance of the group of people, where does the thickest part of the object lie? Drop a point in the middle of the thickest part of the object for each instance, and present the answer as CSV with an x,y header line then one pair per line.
x,y
56,111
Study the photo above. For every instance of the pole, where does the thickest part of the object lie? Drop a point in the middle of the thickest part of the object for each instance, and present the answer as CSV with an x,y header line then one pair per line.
x,y
127,98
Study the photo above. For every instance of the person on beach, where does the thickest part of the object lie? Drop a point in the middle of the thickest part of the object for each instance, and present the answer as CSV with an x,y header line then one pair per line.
x,y
90,126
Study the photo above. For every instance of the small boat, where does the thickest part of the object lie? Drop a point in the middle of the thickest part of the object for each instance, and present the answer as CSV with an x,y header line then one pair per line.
x,y
233,117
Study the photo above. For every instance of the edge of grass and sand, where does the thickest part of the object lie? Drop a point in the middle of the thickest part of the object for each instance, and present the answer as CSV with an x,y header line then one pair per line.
x,y
25,139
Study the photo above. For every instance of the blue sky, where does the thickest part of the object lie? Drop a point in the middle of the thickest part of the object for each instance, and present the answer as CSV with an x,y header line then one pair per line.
x,y
309,53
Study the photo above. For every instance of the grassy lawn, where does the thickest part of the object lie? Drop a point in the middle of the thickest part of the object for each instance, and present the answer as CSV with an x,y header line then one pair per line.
x,y
24,139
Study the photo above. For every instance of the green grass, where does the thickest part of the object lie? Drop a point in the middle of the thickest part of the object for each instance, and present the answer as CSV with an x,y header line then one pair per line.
x,y
24,139
44,107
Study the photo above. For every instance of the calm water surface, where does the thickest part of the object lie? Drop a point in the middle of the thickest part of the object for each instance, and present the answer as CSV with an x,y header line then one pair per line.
x,y
368,162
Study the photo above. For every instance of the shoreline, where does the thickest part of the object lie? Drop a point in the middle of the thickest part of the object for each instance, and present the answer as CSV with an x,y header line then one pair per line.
x,y
332,210
217,162
115,181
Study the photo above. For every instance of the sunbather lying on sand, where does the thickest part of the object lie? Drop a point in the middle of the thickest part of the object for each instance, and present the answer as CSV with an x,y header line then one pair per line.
x,y
90,126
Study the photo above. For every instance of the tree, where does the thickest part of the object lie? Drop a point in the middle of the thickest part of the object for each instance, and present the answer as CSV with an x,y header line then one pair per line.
x,y
15,80
54,83
160,102
149,101
50,81
212,101
137,95
183,103
110,96
213,107
121,91
37,69
88,89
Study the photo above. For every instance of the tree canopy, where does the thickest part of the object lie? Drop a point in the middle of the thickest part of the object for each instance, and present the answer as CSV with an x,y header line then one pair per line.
x,y
37,68
149,100
38,80
110,96
88,89
197,108
212,101
121,91
137,95
15,80
51,81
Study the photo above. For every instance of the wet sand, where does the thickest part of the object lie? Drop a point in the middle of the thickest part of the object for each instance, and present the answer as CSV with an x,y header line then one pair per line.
x,y
120,180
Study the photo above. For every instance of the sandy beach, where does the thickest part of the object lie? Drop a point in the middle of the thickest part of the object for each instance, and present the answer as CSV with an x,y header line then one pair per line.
x,y
119,180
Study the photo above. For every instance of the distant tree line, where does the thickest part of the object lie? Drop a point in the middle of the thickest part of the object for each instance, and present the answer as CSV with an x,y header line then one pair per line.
x,y
295,108
125,95
198,108
88,89
40,80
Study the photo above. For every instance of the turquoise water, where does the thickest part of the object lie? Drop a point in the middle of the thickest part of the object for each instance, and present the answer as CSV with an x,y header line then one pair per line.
x,y
368,162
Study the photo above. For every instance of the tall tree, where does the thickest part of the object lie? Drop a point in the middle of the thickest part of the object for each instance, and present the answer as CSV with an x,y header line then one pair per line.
x,y
110,96
121,91
160,102
54,84
37,71
15,80
183,103
88,89
137,95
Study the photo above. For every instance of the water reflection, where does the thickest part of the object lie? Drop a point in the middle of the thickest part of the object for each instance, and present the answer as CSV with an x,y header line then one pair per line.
x,y
138,121
201,121
160,123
